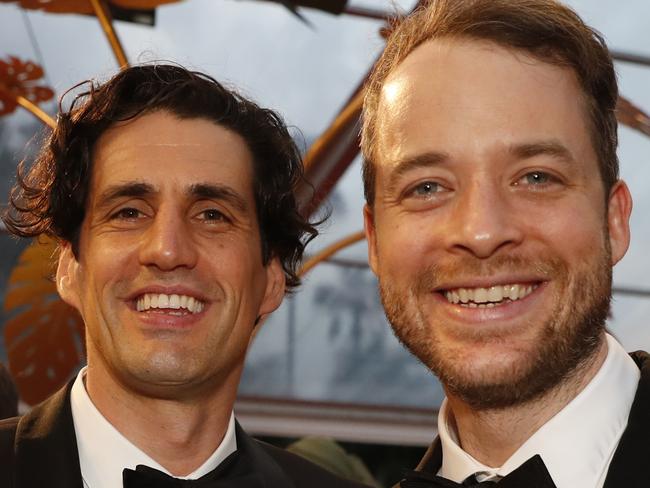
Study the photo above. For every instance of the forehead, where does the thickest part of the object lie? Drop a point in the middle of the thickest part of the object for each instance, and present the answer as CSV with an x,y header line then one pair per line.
x,y
166,151
469,97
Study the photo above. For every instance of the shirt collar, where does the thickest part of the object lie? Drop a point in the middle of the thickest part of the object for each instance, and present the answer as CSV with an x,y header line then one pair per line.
x,y
104,452
591,425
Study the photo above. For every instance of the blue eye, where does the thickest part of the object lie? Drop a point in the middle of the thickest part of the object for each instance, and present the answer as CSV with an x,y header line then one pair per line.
x,y
426,188
537,178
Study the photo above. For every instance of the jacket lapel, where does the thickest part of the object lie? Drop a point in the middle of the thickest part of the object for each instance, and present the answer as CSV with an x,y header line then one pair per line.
x,y
46,446
431,461
260,462
629,466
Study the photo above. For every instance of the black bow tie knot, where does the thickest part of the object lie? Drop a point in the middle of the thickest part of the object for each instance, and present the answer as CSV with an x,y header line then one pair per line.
x,y
227,475
531,474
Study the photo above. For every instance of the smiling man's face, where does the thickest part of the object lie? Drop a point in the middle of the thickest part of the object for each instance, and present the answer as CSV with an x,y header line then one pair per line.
x,y
490,232
169,277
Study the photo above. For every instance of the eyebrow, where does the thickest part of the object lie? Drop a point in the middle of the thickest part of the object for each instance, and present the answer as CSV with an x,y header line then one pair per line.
x,y
122,190
424,160
548,148
219,192
197,190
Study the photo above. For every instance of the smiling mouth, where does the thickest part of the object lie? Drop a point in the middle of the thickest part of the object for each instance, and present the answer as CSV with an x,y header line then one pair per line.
x,y
174,304
492,296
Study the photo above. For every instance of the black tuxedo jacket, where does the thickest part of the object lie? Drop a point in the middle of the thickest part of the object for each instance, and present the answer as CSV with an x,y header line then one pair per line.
x,y
629,466
39,450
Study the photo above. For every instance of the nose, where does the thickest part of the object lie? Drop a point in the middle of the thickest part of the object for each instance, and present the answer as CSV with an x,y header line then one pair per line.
x,y
167,244
484,221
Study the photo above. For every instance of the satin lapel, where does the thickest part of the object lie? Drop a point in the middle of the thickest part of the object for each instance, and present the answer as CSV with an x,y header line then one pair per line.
x,y
261,462
431,461
629,466
46,446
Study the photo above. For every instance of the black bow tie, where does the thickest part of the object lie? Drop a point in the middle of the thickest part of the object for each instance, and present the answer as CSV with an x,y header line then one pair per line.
x,y
531,474
227,475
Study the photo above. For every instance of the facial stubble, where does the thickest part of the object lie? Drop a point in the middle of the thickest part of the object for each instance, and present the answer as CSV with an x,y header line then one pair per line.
x,y
567,338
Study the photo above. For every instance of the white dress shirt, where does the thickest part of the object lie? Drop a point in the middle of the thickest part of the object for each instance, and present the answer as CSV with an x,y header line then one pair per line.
x,y
577,444
104,452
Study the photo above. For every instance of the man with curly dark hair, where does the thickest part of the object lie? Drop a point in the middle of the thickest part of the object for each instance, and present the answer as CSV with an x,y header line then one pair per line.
x,y
173,200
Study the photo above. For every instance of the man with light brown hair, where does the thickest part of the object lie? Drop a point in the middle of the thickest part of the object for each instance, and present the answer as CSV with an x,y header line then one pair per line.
x,y
494,217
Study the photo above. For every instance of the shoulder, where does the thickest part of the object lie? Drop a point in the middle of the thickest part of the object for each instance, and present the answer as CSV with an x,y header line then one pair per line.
x,y
641,358
304,473
8,429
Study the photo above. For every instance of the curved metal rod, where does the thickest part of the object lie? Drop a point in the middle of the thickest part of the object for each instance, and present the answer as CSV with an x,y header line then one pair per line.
x,y
331,250
104,16
36,111
322,145
628,57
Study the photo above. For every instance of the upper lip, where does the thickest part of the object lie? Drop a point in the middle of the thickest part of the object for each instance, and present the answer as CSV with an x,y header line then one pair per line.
x,y
489,281
168,290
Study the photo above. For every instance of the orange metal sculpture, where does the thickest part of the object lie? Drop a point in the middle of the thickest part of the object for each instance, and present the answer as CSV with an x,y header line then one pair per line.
x,y
100,8
629,114
84,6
19,86
44,335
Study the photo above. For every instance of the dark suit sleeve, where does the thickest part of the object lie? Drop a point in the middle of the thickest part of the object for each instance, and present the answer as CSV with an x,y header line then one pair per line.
x,y
7,453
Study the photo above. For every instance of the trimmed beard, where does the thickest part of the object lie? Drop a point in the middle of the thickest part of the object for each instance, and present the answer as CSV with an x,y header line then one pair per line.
x,y
566,341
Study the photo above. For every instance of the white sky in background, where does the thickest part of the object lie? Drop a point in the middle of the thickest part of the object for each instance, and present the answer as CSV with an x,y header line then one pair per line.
x,y
307,74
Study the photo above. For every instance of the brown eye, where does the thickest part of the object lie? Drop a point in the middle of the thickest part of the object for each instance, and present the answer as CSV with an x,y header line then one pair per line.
x,y
127,214
213,215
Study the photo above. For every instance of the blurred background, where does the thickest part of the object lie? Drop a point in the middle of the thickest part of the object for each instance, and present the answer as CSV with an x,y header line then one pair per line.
x,y
326,363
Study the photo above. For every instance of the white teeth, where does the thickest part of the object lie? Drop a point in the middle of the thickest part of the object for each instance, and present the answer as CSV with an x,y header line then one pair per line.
x,y
480,295
150,301
495,294
488,297
464,295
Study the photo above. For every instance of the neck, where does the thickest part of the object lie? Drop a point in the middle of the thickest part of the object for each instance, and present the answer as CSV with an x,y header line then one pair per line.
x,y
493,436
164,426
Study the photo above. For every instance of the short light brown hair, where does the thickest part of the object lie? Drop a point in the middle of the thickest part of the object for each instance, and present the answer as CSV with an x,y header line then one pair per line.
x,y
544,29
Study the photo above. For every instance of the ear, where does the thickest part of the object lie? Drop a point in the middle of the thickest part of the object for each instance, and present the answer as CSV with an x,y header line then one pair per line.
x,y
369,228
67,276
275,287
619,209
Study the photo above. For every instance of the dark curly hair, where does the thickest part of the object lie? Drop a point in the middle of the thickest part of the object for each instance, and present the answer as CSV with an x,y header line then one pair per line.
x,y
50,197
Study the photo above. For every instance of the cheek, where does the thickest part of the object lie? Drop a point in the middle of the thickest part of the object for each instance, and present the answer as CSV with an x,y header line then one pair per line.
x,y
575,231
109,263
406,244
235,266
